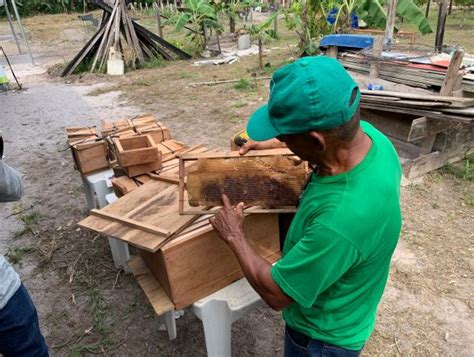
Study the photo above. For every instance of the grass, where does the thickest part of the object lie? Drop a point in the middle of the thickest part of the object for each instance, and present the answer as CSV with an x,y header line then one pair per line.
x,y
15,254
29,221
463,170
454,35
154,63
244,85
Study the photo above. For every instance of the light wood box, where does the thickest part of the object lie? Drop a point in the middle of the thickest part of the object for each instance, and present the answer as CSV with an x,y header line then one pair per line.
x,y
198,263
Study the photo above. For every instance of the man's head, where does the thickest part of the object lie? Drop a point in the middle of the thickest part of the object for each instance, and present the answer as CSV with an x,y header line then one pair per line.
x,y
313,104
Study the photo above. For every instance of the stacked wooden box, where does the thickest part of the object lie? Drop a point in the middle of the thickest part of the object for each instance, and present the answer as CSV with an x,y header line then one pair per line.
x,y
89,151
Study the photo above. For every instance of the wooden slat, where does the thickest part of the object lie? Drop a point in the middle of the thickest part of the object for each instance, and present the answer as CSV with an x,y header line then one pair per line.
x,y
154,292
452,101
230,154
154,203
425,127
131,223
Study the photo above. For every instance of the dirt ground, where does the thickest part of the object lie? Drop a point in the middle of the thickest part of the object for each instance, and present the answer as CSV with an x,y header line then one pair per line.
x,y
88,307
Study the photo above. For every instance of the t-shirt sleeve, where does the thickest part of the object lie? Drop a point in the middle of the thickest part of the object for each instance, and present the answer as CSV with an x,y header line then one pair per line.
x,y
316,262
11,188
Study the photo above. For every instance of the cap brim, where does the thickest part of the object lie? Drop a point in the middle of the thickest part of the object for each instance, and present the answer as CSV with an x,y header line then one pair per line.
x,y
259,127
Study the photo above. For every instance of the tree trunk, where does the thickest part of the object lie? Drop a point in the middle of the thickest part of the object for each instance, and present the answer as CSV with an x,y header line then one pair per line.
x,y
260,53
427,8
450,7
231,23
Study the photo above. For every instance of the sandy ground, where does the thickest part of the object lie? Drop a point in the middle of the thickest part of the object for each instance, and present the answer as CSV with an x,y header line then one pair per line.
x,y
86,306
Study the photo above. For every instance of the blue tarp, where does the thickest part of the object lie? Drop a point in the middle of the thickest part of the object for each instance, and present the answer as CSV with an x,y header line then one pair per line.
x,y
347,41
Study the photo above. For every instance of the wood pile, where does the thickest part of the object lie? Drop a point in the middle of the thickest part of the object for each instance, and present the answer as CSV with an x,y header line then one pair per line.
x,y
119,32
447,108
415,75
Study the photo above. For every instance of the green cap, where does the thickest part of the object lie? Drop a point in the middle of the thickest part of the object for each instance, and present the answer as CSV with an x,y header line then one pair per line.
x,y
312,93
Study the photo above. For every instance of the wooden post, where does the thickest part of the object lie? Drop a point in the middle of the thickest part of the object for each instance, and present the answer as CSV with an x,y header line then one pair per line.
x,y
391,15
427,8
443,12
22,30
158,20
451,80
450,7
332,51
7,12
275,26
376,54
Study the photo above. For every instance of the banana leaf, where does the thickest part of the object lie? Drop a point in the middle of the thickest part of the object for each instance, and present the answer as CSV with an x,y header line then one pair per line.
x,y
373,13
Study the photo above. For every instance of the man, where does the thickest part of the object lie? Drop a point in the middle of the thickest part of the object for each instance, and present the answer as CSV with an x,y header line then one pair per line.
x,y
19,329
336,256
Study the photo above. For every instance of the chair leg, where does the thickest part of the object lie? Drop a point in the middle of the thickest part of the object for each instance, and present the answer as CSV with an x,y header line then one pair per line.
x,y
120,254
216,320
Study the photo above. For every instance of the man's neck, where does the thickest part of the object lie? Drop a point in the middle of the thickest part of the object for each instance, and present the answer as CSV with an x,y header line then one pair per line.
x,y
342,158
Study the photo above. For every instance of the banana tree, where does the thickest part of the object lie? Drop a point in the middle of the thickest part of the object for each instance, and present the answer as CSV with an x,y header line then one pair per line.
x,y
373,13
196,17
308,19
262,31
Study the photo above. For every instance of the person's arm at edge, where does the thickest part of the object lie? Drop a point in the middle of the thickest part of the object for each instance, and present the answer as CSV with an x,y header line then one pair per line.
x,y
11,187
256,269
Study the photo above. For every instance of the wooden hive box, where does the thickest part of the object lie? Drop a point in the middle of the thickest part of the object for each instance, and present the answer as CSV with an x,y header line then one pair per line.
x,y
157,131
137,154
89,152
112,127
198,263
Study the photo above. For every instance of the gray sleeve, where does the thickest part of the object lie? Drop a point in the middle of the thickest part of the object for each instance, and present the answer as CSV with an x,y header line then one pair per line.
x,y
11,188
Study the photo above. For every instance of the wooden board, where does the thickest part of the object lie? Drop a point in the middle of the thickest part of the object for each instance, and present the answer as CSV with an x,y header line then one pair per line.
x,y
268,182
137,170
155,293
154,204
198,263
123,185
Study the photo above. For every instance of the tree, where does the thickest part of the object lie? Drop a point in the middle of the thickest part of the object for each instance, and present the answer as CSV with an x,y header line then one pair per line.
x,y
196,17
262,31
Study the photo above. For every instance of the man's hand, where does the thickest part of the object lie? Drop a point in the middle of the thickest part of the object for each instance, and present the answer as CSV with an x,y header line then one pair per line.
x,y
261,145
228,222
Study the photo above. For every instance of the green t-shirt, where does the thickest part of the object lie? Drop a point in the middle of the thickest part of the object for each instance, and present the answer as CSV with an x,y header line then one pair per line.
x,y
337,252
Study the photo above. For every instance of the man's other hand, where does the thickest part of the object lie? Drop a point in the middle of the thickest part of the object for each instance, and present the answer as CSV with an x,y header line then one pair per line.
x,y
261,145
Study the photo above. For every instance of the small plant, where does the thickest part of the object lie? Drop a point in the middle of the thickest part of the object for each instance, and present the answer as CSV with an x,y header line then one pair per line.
x,y
29,221
244,85
15,254
154,62
463,170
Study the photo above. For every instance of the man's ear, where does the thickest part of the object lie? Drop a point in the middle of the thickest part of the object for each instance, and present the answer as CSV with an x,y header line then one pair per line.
x,y
318,139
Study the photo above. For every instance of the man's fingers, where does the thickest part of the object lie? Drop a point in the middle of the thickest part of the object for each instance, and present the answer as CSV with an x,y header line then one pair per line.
x,y
240,208
226,201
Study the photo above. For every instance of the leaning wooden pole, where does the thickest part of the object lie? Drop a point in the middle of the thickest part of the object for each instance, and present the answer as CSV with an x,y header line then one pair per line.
x,y
12,28
442,14
17,15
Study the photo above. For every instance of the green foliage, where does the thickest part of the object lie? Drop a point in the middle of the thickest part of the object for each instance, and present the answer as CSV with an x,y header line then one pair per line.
x,y
308,19
463,170
244,85
154,63
31,7
15,254
196,15
373,13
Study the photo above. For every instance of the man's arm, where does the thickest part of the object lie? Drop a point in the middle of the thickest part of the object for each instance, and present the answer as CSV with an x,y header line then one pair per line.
x,y
261,145
11,188
228,223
